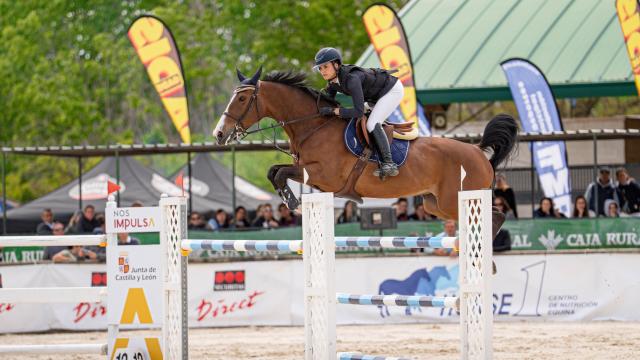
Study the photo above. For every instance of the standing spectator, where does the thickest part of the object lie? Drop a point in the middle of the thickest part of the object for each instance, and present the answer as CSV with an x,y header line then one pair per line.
x,y
402,209
580,208
503,206
287,218
46,226
266,220
605,190
450,230
628,192
196,222
50,251
87,222
349,213
240,220
545,210
419,214
503,189
219,221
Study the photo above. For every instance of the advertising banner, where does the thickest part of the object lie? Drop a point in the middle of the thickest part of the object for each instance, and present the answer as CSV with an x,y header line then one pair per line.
x,y
629,17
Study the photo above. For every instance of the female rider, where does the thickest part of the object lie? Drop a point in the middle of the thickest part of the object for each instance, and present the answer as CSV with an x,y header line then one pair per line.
x,y
371,85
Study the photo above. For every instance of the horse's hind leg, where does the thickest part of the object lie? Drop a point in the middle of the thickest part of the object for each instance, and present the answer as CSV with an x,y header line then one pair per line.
x,y
430,204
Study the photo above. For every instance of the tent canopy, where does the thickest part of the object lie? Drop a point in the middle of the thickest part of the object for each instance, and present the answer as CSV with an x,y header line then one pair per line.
x,y
457,47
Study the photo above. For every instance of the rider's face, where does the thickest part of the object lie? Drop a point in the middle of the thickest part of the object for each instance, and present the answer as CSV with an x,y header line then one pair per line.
x,y
327,70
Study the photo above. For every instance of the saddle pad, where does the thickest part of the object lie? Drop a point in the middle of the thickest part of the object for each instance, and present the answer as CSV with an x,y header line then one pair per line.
x,y
399,148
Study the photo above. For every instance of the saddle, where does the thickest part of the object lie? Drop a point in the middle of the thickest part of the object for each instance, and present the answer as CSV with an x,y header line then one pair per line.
x,y
392,130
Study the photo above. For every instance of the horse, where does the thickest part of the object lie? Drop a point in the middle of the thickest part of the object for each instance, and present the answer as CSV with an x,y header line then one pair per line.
x,y
321,159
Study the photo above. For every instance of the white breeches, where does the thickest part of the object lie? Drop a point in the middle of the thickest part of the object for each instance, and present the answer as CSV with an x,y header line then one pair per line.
x,y
385,106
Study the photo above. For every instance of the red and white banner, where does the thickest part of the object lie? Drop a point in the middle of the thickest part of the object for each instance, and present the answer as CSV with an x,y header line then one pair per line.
x,y
558,287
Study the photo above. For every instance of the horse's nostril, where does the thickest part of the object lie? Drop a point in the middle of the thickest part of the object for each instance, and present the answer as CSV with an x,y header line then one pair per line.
x,y
219,134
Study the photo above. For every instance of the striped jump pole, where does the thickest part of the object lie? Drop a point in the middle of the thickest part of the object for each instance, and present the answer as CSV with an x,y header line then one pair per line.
x,y
386,242
398,300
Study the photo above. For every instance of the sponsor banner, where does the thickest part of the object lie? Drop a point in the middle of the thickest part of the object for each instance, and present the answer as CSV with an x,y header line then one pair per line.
x,y
551,287
95,188
629,17
390,42
132,219
538,113
159,53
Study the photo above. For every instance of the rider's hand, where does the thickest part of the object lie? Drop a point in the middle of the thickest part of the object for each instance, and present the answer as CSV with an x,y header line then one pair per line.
x,y
326,111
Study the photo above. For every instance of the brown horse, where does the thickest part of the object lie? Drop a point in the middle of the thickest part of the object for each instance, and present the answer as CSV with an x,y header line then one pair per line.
x,y
321,159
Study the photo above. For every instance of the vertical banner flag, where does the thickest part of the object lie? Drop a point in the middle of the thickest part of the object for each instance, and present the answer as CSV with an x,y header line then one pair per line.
x,y
159,53
629,17
538,113
390,41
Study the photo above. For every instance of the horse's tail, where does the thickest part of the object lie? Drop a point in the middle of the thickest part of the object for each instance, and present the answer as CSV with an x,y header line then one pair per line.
x,y
501,136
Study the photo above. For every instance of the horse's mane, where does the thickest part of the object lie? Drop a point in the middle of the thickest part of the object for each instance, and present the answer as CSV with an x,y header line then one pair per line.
x,y
299,81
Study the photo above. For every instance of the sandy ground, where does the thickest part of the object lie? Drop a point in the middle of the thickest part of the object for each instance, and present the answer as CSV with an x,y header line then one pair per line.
x,y
593,340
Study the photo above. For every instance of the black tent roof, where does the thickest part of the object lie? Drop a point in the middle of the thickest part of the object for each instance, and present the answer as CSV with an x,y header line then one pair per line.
x,y
139,183
212,181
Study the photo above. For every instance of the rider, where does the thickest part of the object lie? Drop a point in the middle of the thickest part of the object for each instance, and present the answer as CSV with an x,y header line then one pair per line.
x,y
371,85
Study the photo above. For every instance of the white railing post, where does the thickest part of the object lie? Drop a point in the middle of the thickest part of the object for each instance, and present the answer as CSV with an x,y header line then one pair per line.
x,y
173,215
319,274
476,248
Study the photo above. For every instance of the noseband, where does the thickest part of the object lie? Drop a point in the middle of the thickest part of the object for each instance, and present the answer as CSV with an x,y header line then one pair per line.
x,y
239,131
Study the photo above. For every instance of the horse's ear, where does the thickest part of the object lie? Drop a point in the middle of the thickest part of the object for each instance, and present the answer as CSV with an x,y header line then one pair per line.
x,y
256,76
240,76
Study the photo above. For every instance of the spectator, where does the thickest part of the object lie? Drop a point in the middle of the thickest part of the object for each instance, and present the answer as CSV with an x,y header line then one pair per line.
x,y
74,254
50,251
419,214
605,190
546,209
613,210
287,218
137,203
266,219
87,222
502,242
46,226
349,213
196,222
219,221
125,239
240,218
402,209
450,230
628,192
73,222
101,229
580,208
503,189
503,206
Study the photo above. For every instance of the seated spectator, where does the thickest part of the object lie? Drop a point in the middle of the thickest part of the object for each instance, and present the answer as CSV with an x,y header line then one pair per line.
x,y
349,213
547,210
503,206
73,222
125,239
87,222
74,254
419,214
606,191
402,209
287,218
46,226
502,242
450,230
580,208
628,192
506,192
240,219
50,251
219,221
613,210
196,222
265,220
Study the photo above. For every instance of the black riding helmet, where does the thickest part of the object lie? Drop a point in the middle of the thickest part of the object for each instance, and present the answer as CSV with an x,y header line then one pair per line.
x,y
325,55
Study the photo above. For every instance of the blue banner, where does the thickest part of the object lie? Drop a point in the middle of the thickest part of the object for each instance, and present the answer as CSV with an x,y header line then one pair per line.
x,y
538,113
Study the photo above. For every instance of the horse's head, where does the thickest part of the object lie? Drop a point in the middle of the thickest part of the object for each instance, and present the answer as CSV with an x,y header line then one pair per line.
x,y
242,111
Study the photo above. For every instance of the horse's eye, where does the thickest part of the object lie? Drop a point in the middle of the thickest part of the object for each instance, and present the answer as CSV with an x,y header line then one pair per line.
x,y
242,98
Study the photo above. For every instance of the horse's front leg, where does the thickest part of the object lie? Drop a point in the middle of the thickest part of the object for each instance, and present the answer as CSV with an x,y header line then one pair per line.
x,y
278,175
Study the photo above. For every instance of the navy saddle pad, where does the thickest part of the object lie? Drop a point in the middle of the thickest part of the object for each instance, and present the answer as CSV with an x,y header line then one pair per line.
x,y
399,148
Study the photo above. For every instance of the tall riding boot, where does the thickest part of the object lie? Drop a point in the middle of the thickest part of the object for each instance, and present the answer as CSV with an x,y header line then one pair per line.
x,y
388,167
